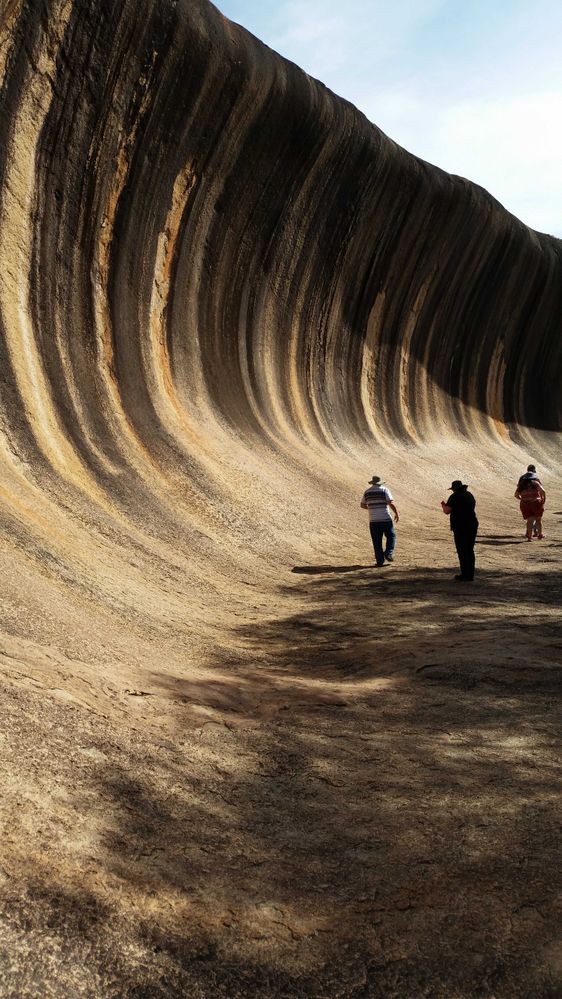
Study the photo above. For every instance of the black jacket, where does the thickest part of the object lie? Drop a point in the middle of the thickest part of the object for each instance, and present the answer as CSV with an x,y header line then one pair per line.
x,y
463,516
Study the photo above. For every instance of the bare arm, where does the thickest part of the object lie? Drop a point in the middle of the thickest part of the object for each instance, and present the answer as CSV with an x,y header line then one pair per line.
x,y
395,512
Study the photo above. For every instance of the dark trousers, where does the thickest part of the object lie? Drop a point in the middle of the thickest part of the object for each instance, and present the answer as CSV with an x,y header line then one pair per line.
x,y
380,529
464,543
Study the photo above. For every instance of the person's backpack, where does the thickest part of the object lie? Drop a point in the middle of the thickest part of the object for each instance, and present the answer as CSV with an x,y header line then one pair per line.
x,y
526,480
529,487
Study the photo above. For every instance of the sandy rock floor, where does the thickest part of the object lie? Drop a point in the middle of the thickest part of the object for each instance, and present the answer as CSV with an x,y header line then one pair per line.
x,y
358,796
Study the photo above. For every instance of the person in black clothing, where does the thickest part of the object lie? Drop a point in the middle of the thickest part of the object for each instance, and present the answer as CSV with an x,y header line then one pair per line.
x,y
461,508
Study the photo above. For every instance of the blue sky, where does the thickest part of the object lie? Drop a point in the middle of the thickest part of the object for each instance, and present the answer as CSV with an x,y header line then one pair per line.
x,y
474,86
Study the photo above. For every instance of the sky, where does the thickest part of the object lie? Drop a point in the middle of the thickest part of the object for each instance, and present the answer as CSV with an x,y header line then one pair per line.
x,y
473,86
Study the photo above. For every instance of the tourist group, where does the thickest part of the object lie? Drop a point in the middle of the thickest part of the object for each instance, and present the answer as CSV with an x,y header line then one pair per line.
x,y
460,507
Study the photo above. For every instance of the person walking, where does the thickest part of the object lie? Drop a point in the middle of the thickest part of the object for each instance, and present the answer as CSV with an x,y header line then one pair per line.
x,y
531,496
460,507
379,501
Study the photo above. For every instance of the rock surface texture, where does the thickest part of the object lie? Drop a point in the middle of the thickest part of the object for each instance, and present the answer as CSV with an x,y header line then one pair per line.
x,y
226,300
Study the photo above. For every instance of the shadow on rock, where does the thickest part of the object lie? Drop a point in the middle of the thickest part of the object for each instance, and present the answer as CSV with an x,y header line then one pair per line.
x,y
316,570
368,805
382,817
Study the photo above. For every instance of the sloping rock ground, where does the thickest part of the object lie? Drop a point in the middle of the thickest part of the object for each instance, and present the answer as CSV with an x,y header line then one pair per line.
x,y
236,759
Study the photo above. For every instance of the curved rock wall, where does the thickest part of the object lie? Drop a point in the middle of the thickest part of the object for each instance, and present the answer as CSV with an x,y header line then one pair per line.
x,y
201,246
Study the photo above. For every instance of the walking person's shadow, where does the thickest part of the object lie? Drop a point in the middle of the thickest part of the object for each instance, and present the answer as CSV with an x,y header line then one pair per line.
x,y
499,539
317,570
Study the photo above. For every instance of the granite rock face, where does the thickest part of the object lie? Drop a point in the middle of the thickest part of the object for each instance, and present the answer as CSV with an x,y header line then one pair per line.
x,y
192,225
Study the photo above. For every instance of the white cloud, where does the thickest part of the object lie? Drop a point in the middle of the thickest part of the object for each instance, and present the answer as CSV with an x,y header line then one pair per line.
x,y
512,147
336,42
306,31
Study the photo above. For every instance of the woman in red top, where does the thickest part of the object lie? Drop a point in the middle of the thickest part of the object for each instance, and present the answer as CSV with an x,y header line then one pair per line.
x,y
531,498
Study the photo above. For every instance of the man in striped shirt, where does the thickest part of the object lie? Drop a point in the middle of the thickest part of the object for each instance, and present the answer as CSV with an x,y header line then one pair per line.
x,y
378,501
